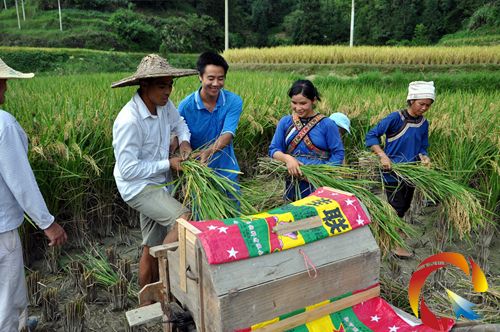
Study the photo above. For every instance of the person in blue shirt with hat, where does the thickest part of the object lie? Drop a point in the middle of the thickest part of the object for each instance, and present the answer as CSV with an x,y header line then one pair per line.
x,y
212,115
406,140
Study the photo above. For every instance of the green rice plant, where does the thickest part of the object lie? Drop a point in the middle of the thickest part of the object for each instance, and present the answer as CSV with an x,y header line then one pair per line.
x,y
207,194
385,223
104,274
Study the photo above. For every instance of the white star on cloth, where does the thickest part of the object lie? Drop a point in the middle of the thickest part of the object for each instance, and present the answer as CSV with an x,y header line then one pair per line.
x,y
232,252
212,227
349,201
360,220
223,230
393,328
375,318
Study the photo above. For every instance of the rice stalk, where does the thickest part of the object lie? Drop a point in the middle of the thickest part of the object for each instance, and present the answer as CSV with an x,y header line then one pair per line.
x,y
207,194
49,304
119,292
385,223
460,204
103,272
34,289
74,315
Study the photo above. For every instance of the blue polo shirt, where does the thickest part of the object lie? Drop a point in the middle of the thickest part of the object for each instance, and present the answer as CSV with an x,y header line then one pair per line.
x,y
206,127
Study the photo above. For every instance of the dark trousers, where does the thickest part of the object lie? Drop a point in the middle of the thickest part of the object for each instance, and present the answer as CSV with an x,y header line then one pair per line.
x,y
399,196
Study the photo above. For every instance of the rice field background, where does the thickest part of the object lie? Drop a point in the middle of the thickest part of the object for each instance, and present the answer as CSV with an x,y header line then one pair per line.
x,y
69,118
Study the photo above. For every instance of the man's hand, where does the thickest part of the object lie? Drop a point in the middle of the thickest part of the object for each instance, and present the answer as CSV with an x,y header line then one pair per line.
x,y
203,156
185,150
293,166
174,144
425,160
175,163
56,234
386,162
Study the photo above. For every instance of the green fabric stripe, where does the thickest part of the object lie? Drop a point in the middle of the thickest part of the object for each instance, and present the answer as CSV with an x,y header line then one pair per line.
x,y
256,236
349,319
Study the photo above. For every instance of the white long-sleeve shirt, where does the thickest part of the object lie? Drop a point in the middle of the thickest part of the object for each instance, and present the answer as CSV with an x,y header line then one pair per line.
x,y
19,191
141,143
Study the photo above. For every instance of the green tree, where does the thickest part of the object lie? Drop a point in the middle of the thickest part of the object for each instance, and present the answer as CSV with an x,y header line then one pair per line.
x,y
308,26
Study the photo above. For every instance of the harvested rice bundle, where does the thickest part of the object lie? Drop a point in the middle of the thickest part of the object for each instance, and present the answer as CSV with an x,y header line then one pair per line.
x,y
460,204
207,194
385,223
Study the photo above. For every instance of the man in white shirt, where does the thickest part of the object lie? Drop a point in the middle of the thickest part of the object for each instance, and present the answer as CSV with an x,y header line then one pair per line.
x,y
19,193
141,138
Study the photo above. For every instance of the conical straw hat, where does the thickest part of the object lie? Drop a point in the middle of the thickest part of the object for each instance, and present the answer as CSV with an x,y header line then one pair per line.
x,y
153,65
7,73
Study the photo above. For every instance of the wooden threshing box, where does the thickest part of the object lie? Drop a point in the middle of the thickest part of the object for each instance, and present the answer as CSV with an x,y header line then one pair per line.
x,y
237,295
242,293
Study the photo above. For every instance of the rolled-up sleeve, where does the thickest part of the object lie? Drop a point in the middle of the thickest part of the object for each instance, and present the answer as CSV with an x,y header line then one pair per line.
x,y
233,117
178,125
19,178
425,139
127,143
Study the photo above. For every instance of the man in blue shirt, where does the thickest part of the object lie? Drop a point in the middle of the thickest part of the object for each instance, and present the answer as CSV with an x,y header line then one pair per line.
x,y
407,140
212,115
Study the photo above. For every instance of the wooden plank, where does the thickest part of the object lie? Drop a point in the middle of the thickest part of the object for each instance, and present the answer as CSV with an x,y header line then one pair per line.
x,y
143,315
298,225
151,292
162,249
247,273
187,225
243,308
311,315
201,301
338,191
182,257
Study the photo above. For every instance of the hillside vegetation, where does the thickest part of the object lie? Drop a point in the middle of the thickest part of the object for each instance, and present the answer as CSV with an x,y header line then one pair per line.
x,y
193,26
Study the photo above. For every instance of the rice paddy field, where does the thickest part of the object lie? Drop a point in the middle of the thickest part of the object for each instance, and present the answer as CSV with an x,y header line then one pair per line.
x,y
69,118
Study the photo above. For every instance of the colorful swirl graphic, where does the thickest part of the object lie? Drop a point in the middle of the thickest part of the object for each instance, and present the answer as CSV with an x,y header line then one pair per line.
x,y
461,306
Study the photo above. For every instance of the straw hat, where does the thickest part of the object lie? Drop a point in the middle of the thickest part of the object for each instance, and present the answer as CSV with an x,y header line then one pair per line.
x,y
7,73
421,90
153,65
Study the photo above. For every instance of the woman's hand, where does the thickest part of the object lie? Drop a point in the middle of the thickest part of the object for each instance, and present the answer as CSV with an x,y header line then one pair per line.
x,y
185,150
425,160
385,162
293,166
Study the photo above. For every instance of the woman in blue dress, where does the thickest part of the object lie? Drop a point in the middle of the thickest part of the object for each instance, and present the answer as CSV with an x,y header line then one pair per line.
x,y
305,138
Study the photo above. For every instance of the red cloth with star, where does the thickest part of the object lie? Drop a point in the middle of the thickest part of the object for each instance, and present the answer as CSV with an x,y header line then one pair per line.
x,y
251,236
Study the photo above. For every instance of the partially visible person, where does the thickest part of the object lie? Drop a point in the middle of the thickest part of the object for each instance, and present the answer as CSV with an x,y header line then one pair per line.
x,y
141,138
305,138
212,114
19,194
343,123
406,140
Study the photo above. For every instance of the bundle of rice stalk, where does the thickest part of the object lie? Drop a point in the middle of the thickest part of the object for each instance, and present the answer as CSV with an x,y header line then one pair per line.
x,y
209,195
460,204
102,271
385,223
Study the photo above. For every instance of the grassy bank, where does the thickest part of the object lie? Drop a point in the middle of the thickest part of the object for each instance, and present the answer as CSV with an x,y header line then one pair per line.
x,y
72,60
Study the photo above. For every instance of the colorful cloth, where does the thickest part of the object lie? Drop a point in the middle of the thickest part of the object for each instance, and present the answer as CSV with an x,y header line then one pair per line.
x,y
233,239
371,315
